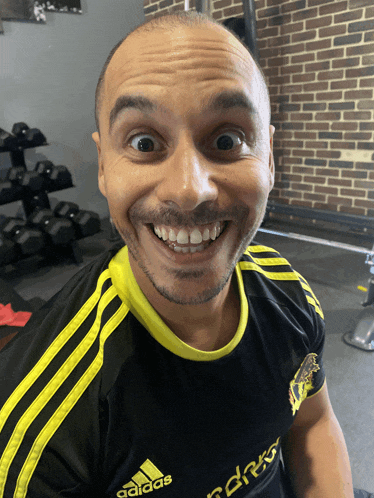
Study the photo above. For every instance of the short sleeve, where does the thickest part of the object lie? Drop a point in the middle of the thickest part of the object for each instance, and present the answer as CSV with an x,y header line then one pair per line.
x,y
317,339
319,376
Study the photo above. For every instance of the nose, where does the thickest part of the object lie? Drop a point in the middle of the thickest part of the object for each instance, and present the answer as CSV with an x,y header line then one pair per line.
x,y
187,179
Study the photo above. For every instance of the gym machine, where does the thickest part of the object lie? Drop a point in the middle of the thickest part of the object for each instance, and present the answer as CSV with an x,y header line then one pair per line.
x,y
244,28
362,336
46,232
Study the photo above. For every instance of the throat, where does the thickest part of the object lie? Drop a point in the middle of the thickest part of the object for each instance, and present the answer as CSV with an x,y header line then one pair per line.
x,y
220,331
209,340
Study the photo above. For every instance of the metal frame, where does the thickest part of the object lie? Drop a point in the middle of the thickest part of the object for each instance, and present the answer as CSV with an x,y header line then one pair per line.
x,y
362,337
324,242
351,220
249,10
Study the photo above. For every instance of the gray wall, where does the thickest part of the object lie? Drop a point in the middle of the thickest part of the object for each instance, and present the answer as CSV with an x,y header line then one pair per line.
x,y
48,75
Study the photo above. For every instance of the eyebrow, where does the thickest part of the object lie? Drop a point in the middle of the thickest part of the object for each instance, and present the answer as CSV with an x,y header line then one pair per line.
x,y
223,101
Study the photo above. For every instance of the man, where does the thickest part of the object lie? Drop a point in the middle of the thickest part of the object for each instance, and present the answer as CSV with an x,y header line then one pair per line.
x,y
180,364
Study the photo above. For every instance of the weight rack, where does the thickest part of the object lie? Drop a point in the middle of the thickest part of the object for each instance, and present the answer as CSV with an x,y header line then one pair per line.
x,y
32,201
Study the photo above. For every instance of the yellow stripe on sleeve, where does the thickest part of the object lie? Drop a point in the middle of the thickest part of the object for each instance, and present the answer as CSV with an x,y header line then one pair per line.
x,y
246,265
313,301
291,275
66,406
317,308
256,249
271,261
40,402
308,288
50,353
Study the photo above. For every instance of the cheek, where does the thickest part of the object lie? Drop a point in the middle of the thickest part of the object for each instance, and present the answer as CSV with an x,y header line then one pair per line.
x,y
127,186
251,184
119,179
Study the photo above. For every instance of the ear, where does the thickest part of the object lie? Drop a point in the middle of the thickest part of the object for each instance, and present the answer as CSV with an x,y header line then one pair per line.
x,y
271,157
101,182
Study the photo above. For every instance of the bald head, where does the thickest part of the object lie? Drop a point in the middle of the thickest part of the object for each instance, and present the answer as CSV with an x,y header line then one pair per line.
x,y
169,22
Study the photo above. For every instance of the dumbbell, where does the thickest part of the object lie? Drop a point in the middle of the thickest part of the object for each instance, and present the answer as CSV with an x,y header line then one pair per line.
x,y
8,251
10,192
28,240
59,231
30,180
86,223
28,136
7,140
57,177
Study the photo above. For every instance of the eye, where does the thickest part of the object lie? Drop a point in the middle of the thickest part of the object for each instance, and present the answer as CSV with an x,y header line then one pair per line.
x,y
143,142
225,142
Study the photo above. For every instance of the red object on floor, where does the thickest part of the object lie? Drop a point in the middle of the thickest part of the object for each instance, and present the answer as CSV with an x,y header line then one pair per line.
x,y
11,318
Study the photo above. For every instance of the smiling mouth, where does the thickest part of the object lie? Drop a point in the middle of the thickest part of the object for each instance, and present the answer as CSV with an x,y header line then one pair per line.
x,y
188,246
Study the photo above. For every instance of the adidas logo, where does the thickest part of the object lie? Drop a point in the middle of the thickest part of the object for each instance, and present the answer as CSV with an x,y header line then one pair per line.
x,y
148,479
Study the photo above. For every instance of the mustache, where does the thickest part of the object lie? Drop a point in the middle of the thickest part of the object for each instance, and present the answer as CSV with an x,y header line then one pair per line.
x,y
202,215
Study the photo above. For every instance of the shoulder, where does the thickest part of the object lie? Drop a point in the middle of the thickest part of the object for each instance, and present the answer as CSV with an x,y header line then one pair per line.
x,y
64,326
267,274
282,303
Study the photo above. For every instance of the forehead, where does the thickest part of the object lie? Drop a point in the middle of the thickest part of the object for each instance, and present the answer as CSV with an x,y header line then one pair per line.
x,y
180,68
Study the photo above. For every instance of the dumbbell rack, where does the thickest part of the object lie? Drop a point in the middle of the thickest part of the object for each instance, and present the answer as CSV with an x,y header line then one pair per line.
x,y
35,200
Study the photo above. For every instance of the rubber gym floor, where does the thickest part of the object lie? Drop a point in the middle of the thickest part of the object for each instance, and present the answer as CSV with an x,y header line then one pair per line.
x,y
334,275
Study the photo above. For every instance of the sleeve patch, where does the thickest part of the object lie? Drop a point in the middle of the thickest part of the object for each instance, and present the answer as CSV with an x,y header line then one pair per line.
x,y
302,382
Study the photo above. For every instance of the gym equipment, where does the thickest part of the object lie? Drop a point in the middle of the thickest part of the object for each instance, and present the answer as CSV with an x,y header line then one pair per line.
x,y
8,252
363,335
57,237
19,129
316,240
29,240
86,223
7,141
28,179
28,137
56,177
59,231
250,34
10,192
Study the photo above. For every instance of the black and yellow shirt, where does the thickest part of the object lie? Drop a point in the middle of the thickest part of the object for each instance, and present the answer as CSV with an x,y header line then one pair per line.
x,y
98,398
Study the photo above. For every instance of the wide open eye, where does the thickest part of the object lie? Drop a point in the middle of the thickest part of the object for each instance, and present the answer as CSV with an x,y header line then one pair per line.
x,y
143,143
227,141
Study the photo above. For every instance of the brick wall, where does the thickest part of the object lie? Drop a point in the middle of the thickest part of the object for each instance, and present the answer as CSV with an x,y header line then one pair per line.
x,y
318,58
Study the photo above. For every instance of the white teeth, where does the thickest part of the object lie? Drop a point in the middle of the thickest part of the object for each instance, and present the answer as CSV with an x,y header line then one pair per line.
x,y
190,249
196,237
182,237
172,236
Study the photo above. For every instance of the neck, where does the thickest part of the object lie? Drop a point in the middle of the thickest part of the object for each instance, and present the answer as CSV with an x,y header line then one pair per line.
x,y
206,327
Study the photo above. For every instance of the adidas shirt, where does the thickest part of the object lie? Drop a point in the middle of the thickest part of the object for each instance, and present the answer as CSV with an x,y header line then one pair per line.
x,y
98,398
